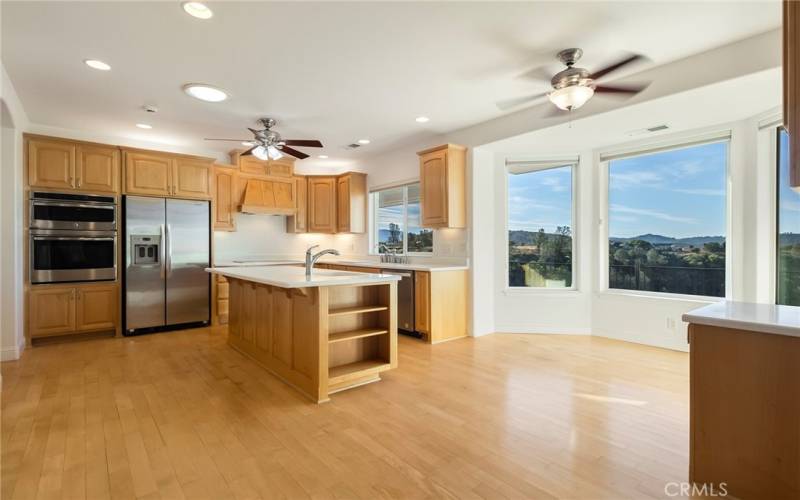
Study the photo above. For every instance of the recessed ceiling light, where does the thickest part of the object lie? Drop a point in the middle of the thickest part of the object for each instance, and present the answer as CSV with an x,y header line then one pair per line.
x,y
197,9
363,141
144,125
248,143
422,119
324,157
95,64
205,92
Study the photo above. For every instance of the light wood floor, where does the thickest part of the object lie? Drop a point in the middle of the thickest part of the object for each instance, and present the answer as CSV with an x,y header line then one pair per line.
x,y
181,415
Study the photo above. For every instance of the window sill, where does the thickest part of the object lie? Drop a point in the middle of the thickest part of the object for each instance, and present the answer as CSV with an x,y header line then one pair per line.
x,y
550,292
700,299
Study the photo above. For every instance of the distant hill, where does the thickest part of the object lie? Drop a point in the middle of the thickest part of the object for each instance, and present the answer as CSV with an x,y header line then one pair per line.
x,y
789,238
522,237
658,239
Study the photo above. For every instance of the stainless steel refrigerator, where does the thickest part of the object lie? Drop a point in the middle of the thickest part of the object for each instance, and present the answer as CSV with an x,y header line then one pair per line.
x,y
167,246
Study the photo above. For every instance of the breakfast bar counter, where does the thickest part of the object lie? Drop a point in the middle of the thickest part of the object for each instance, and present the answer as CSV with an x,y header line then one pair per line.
x,y
321,334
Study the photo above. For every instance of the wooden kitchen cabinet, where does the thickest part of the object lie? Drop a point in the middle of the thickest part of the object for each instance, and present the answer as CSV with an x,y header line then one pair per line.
x,y
51,311
321,204
221,299
191,179
154,173
97,168
281,168
251,165
224,198
298,223
422,301
51,163
351,203
148,173
63,310
442,174
96,308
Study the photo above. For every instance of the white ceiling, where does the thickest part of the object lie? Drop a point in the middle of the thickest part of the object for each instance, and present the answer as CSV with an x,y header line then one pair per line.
x,y
333,71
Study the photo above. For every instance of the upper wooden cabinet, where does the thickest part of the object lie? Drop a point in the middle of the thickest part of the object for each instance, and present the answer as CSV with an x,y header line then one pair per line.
x,y
251,165
164,174
224,198
97,168
298,223
791,85
321,204
442,174
191,178
72,165
148,173
351,203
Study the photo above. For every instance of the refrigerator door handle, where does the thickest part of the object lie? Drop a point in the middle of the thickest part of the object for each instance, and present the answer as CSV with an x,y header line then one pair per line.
x,y
162,252
169,252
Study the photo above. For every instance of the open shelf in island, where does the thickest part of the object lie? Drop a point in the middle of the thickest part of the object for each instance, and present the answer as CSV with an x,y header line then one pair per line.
x,y
318,339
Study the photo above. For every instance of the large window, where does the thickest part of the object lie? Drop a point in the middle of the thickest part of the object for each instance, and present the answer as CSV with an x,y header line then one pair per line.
x,y
788,267
540,243
667,220
396,226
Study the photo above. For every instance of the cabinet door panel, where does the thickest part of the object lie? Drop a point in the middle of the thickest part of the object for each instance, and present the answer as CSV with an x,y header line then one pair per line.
x,y
51,311
281,168
97,308
51,164
148,174
343,204
191,179
251,165
298,223
224,189
283,193
433,176
422,306
97,169
322,205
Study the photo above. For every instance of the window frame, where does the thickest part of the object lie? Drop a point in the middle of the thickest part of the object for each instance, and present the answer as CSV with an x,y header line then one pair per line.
x,y
604,159
538,165
373,220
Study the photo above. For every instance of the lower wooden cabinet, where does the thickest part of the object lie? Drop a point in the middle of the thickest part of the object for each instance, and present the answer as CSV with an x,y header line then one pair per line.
x,y
422,299
62,310
440,309
222,296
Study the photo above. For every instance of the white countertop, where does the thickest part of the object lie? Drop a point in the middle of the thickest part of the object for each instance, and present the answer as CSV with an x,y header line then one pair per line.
x,y
295,277
343,262
765,318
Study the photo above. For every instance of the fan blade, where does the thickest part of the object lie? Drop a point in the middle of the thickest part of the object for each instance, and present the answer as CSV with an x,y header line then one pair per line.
x,y
293,152
518,101
619,64
620,89
233,140
249,151
542,73
302,142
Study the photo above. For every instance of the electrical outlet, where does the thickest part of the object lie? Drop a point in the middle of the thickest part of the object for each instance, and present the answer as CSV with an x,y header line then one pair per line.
x,y
670,323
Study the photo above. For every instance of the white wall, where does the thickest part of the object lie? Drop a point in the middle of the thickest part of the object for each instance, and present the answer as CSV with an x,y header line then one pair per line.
x,y
14,121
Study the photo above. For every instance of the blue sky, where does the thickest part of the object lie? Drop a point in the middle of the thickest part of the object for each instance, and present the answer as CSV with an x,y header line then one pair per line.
x,y
789,216
540,199
676,193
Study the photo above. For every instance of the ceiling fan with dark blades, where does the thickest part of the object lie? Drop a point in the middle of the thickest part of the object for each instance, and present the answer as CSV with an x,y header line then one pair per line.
x,y
573,86
269,145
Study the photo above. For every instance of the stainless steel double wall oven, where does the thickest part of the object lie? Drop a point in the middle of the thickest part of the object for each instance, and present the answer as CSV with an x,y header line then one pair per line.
x,y
72,238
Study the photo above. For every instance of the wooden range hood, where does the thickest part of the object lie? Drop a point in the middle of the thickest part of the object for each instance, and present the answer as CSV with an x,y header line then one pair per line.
x,y
269,196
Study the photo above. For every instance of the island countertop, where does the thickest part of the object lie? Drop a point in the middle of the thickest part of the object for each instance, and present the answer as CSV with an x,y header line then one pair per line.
x,y
764,318
295,277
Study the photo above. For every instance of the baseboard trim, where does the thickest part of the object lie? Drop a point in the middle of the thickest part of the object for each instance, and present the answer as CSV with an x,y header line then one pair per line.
x,y
10,353
541,330
677,346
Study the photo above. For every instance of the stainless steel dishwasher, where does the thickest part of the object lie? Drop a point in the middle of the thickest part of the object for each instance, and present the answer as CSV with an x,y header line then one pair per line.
x,y
405,301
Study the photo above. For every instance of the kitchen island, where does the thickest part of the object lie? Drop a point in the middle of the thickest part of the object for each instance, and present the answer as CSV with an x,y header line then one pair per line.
x,y
745,398
327,333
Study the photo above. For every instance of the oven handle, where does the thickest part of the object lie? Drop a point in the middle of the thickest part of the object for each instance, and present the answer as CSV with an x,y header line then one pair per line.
x,y
72,238
104,206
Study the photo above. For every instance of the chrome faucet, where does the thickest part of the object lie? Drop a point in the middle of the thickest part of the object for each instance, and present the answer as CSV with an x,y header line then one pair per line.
x,y
312,259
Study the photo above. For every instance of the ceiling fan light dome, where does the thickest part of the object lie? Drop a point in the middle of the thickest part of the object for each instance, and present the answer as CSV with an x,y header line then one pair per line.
x,y
274,153
261,153
571,97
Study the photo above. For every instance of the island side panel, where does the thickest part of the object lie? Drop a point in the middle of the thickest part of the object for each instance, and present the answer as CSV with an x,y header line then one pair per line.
x,y
280,329
745,411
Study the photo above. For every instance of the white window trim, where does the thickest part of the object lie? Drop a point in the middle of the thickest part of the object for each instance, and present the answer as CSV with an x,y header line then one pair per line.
x,y
539,164
604,159
373,220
